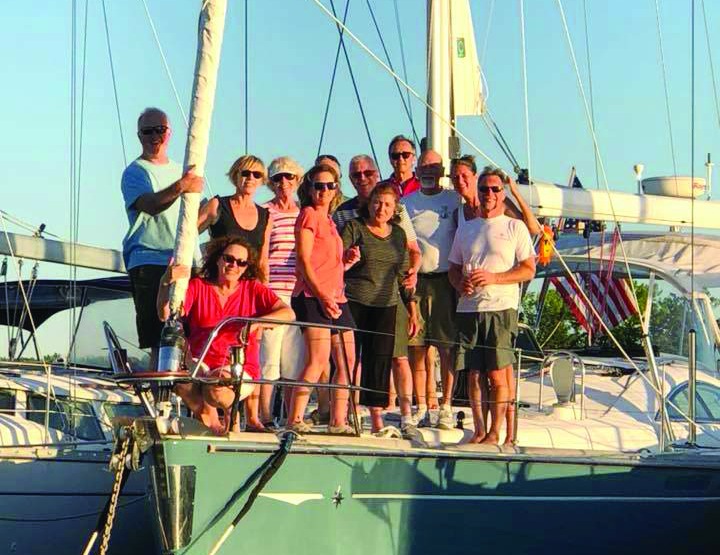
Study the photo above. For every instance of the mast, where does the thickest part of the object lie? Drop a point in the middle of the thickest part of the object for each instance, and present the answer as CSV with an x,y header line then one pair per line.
x,y
211,25
454,76
438,55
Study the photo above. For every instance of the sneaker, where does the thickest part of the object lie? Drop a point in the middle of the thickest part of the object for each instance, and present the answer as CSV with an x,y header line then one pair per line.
x,y
388,432
341,430
446,420
410,432
424,421
300,428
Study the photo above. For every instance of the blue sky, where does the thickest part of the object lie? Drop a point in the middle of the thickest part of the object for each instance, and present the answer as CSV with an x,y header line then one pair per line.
x,y
291,50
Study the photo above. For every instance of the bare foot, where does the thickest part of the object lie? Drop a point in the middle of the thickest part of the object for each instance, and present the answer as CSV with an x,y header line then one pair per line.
x,y
477,438
509,442
254,426
491,439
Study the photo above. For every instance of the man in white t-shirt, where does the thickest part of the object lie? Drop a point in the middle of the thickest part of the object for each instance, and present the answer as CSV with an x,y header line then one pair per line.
x,y
431,212
491,254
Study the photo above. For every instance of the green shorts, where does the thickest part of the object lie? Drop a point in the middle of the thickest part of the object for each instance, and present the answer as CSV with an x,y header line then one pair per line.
x,y
401,331
437,302
487,339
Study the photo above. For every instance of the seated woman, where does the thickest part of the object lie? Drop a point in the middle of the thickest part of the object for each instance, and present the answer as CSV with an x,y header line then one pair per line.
x,y
228,285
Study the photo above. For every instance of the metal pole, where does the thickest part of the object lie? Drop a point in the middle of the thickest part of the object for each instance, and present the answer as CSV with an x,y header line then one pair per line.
x,y
663,416
542,382
517,395
356,422
692,438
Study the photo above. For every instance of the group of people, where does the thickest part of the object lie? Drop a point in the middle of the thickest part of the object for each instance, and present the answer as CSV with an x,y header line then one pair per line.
x,y
380,281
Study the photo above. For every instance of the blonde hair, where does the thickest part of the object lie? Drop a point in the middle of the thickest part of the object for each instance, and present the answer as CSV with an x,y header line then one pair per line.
x,y
245,162
307,181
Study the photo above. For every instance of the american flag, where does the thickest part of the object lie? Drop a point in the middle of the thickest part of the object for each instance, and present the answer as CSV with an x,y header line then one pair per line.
x,y
611,297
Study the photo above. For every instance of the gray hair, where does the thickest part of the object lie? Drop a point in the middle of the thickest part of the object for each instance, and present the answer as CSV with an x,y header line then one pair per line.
x,y
151,110
363,158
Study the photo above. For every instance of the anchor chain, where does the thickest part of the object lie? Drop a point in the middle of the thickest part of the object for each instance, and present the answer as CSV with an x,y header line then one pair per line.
x,y
118,462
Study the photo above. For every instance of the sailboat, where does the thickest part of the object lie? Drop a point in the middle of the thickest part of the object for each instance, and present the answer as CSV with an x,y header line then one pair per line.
x,y
59,416
247,492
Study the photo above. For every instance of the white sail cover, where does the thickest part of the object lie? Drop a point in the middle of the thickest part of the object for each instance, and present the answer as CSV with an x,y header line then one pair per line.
x,y
468,98
210,34
553,201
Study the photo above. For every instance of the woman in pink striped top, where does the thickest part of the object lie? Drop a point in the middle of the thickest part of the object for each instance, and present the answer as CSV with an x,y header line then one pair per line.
x,y
282,350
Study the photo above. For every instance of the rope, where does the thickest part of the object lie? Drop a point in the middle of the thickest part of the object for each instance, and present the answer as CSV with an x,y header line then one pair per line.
x,y
692,149
402,54
114,82
487,32
247,124
170,77
352,79
525,92
404,83
387,57
665,86
500,139
590,86
596,147
712,65
332,81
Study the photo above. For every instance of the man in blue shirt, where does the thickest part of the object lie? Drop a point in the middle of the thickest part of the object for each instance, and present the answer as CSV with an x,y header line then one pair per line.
x,y
151,187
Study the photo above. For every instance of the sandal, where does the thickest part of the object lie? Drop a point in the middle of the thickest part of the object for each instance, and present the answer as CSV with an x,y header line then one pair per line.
x,y
300,428
341,430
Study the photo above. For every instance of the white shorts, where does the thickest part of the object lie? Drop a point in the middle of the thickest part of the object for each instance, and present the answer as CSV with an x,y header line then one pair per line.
x,y
224,371
282,353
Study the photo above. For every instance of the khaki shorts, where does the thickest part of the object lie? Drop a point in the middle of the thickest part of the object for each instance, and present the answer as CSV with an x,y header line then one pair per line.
x,y
437,302
487,339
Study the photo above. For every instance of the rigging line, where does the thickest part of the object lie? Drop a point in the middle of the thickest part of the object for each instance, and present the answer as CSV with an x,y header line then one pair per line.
x,y
497,139
21,288
590,85
114,82
24,225
506,146
402,54
404,84
387,57
156,36
665,86
247,128
597,148
712,65
352,79
692,149
525,92
487,33
73,144
332,81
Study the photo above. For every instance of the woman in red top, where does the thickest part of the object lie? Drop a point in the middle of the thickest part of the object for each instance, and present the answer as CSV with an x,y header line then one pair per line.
x,y
319,296
228,285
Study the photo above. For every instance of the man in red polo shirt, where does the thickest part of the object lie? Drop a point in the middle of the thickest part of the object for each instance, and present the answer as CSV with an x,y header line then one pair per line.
x,y
402,158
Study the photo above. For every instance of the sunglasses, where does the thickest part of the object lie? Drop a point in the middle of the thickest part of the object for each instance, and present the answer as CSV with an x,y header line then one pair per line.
x,y
320,186
367,173
485,189
278,177
239,262
247,173
404,155
155,130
